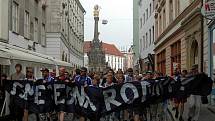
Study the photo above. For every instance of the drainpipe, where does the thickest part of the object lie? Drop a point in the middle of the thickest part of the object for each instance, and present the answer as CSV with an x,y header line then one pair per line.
x,y
202,41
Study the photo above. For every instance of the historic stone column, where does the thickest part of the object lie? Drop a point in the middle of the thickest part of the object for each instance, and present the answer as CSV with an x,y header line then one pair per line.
x,y
96,18
96,54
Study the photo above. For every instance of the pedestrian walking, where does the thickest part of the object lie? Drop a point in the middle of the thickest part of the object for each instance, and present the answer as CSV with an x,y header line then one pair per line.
x,y
47,79
64,79
194,101
109,82
82,80
29,116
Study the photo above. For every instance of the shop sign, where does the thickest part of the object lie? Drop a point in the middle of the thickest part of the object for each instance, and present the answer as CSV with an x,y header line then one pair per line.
x,y
208,9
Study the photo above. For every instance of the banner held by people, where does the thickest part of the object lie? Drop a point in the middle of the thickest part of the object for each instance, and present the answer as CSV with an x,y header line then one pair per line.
x,y
93,101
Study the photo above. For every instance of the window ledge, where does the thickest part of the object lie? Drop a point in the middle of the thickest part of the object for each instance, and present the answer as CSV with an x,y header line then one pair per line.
x,y
26,38
15,32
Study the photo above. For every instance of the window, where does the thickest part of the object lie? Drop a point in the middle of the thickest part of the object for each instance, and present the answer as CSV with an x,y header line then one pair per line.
x,y
147,14
43,35
160,25
146,39
36,30
153,4
143,44
153,34
15,17
37,1
175,55
141,23
156,30
164,19
177,7
150,9
144,18
27,25
161,62
32,31
150,38
141,47
170,11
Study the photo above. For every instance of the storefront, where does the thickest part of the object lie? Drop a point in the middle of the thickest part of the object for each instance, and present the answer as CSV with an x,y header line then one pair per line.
x,y
10,56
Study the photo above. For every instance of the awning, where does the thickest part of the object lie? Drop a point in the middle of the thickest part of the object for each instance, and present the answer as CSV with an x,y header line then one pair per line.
x,y
62,63
26,56
29,56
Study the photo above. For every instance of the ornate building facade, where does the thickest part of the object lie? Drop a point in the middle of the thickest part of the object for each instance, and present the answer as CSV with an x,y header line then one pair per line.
x,y
65,31
179,35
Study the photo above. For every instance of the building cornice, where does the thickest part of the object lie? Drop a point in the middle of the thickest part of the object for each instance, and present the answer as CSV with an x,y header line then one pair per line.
x,y
168,38
80,6
193,15
178,19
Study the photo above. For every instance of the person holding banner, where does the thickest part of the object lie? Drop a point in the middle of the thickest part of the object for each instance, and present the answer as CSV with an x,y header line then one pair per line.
x,y
153,106
109,82
83,80
15,111
30,78
62,78
47,79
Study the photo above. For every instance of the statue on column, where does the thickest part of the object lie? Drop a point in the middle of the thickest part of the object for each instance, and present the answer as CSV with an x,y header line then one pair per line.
x,y
96,11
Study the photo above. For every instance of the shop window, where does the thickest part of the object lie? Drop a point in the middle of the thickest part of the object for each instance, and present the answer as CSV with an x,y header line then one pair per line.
x,y
161,62
175,56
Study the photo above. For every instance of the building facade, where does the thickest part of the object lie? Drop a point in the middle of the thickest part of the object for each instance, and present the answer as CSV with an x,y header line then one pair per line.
x,y
23,36
128,58
114,58
136,34
65,31
179,35
146,33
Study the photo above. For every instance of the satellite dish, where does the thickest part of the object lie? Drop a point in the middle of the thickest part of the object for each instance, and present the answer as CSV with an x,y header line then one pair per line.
x,y
104,22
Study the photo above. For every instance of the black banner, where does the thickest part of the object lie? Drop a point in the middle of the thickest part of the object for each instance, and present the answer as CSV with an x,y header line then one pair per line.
x,y
95,101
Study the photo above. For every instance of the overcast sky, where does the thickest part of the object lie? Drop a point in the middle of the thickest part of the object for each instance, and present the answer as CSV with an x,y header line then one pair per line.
x,y
119,14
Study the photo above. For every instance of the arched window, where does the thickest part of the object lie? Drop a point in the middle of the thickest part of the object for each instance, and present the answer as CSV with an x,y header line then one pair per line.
x,y
194,53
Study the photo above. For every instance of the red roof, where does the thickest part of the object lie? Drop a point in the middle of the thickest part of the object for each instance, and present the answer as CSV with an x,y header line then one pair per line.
x,y
110,49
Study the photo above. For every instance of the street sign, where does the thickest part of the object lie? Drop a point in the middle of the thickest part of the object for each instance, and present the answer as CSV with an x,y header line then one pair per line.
x,y
104,22
208,9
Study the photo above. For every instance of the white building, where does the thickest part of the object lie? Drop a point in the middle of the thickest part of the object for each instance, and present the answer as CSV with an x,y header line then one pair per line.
x,y
114,58
146,31
65,32
128,61
23,36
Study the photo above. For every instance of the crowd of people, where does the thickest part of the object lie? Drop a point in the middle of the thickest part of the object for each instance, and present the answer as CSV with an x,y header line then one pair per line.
x,y
81,77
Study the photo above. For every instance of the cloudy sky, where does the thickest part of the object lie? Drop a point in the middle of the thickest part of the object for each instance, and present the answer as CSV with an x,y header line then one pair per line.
x,y
119,15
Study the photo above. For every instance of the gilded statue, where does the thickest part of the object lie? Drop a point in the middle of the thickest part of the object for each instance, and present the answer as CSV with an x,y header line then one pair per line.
x,y
96,11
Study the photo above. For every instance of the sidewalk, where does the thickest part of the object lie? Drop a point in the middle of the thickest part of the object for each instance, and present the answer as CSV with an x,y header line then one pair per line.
x,y
207,113
211,109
